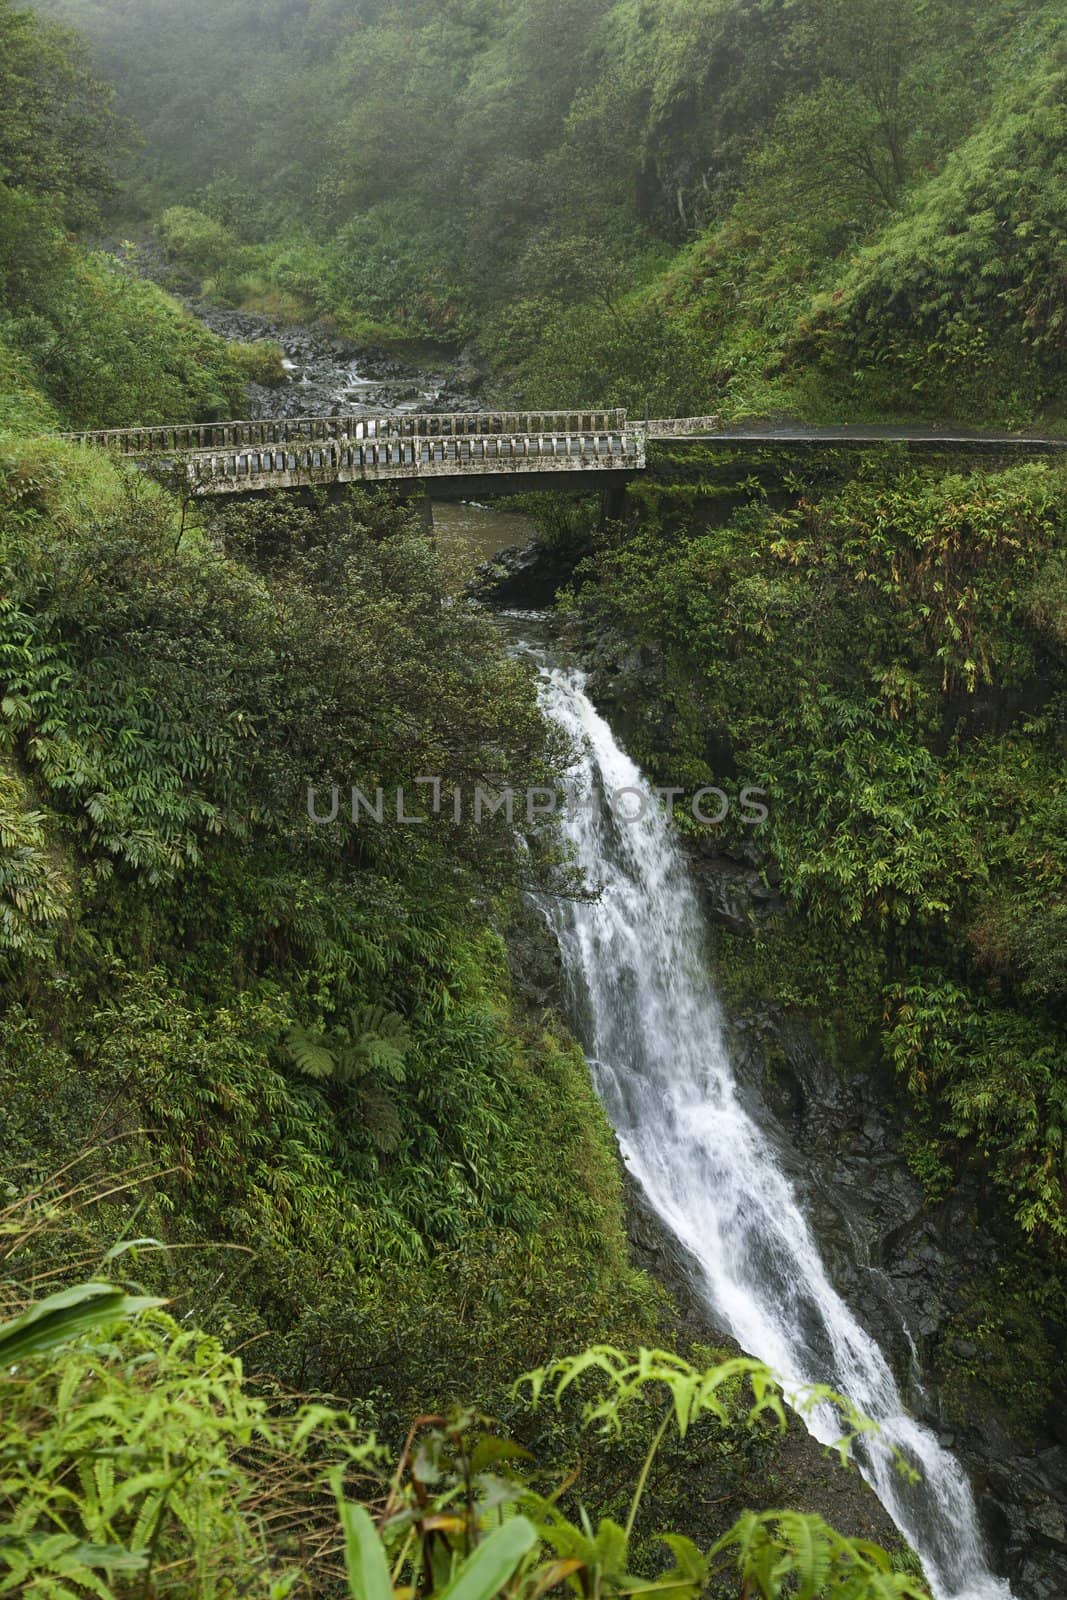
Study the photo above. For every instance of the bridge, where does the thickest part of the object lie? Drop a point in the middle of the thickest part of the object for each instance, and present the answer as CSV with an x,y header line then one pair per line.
x,y
307,452
456,453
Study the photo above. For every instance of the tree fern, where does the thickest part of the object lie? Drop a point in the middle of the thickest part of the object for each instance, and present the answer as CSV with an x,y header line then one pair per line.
x,y
310,1052
372,1040
370,1045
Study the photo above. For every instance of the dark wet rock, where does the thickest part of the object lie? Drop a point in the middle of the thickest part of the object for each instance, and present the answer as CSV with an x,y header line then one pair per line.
x,y
1024,1502
733,892
658,1252
534,961
903,1264
470,369
518,576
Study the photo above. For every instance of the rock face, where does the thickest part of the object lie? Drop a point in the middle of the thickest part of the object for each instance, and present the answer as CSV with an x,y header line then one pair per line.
x,y
534,962
905,1266
519,576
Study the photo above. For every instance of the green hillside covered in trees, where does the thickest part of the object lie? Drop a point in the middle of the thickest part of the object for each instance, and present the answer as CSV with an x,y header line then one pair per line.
x,y
835,207
289,1100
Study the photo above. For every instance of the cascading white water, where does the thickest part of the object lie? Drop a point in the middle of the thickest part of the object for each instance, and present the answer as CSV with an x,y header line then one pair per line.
x,y
652,1030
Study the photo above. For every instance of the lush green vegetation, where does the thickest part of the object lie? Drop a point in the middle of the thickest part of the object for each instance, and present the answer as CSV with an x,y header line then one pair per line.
x,y
174,919
880,647
83,339
833,207
278,1064
138,1460
306,1100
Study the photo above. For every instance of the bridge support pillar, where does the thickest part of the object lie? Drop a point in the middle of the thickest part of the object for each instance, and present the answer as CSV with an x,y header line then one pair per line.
x,y
424,506
612,503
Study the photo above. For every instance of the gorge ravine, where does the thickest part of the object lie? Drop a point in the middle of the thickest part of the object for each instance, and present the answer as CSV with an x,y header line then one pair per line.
x,y
330,375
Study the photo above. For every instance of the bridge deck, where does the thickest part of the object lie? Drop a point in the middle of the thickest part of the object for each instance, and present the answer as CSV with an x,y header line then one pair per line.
x,y
190,438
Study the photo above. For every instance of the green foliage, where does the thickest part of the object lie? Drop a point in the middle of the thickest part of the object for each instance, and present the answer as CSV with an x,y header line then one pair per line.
x,y
103,346
624,1380
376,276
25,409
785,1553
964,287
463,1516
175,923
843,207
199,242
107,348
205,258
735,205
164,699
372,1040
999,1077
371,1044
875,657
64,1316
135,1454
57,131
33,888
261,362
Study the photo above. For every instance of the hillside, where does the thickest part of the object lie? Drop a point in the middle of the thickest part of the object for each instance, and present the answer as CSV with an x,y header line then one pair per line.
x,y
315,1024
835,208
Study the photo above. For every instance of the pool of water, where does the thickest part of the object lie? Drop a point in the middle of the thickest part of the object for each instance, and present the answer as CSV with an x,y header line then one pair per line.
x,y
476,532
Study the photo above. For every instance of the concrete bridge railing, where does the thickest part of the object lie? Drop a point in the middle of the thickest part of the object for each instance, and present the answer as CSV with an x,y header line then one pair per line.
x,y
680,427
185,438
333,460
282,453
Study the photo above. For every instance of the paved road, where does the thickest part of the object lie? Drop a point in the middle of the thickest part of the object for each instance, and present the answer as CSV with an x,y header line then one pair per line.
x,y
866,433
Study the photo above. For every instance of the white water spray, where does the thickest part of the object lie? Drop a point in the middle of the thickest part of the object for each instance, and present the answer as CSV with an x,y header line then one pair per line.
x,y
652,1030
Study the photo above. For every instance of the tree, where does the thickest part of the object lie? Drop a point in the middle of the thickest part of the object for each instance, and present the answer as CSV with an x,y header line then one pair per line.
x,y
58,131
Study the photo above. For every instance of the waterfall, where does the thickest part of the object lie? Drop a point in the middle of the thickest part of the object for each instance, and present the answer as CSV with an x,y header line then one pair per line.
x,y
650,1023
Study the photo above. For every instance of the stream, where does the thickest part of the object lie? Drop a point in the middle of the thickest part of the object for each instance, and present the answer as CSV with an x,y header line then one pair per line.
x,y
327,374
636,967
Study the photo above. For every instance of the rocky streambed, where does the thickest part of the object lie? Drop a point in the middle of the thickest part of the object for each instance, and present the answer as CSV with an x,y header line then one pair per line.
x,y
327,375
